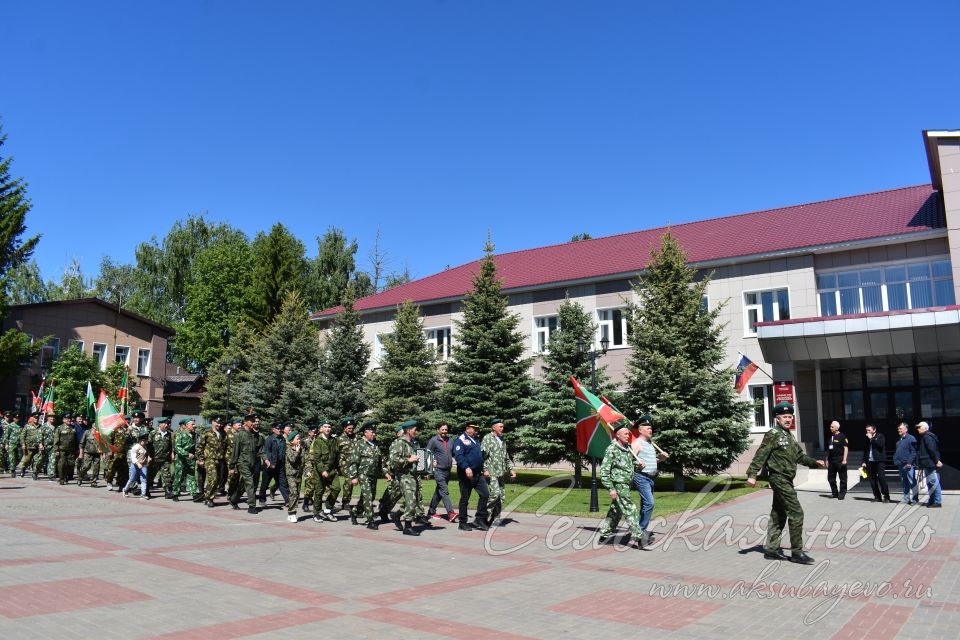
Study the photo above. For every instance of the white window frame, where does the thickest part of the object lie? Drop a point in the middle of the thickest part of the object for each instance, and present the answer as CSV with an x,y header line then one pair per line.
x,y
146,368
747,332
767,400
608,325
103,358
116,349
433,337
79,343
53,349
541,333
379,349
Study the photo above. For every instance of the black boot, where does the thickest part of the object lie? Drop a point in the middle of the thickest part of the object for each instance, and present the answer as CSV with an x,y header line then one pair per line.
x,y
198,497
775,555
801,558
168,494
235,506
480,524
408,530
306,504
465,526
353,518
252,510
209,503
175,498
373,525
395,516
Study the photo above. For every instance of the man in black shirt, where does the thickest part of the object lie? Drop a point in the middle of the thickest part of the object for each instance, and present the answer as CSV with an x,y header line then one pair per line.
x,y
837,449
874,456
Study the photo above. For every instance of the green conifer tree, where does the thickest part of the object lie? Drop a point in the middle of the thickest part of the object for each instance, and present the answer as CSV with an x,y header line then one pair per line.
x,y
279,267
233,365
344,365
70,374
675,370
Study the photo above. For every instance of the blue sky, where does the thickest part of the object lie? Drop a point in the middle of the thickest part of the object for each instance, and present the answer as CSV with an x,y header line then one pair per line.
x,y
436,121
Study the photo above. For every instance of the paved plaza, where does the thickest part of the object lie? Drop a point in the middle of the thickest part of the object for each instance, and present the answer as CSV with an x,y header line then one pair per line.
x,y
77,562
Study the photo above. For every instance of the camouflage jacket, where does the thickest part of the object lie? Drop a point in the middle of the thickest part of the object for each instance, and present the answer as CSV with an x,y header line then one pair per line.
x,y
366,461
616,470
780,453
185,443
212,447
12,434
161,445
323,455
46,432
496,461
398,457
89,443
119,439
65,438
293,464
345,445
31,437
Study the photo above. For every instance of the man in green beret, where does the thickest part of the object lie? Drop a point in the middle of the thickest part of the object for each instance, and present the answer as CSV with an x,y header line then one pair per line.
x,y
616,474
66,445
323,459
780,453
402,461
497,465
392,492
345,444
366,465
242,463
185,460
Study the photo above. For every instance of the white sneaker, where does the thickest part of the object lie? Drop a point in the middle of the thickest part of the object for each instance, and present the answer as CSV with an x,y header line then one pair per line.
x,y
292,518
126,495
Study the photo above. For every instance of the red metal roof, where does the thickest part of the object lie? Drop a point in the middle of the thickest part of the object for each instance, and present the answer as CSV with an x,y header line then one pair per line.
x,y
874,215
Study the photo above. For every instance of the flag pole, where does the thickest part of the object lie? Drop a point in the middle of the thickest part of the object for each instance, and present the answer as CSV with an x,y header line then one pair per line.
x,y
740,353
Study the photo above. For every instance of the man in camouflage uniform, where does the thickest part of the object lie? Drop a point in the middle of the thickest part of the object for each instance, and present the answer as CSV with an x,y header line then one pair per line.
x,y
323,459
234,427
294,457
402,460
47,459
89,457
366,465
31,445
780,453
65,444
345,444
243,458
13,444
616,474
308,485
212,451
160,450
497,465
185,460
118,468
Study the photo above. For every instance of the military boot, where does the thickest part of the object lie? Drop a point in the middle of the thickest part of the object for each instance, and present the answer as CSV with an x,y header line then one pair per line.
x,y
373,525
175,497
94,484
168,494
395,516
353,518
36,476
198,497
408,530
209,503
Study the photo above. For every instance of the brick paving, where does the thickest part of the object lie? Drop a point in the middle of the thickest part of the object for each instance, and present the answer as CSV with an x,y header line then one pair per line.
x,y
82,562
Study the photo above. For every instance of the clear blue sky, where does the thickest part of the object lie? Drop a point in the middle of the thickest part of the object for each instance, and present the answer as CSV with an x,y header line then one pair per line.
x,y
437,121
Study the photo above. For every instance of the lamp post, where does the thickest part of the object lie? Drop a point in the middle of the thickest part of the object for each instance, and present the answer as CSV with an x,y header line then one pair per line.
x,y
228,368
593,354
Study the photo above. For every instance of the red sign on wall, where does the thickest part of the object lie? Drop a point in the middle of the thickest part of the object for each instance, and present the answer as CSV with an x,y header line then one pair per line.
x,y
783,392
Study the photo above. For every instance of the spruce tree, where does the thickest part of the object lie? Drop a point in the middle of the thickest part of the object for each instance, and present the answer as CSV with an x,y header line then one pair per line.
x,y
488,375
284,378
550,435
675,369
344,365
407,383
235,359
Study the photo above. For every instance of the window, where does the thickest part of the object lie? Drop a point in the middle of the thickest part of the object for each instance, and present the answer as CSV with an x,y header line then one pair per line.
x,y
544,328
143,362
75,343
379,348
100,354
612,325
765,306
440,338
761,395
704,304
890,287
122,354
50,352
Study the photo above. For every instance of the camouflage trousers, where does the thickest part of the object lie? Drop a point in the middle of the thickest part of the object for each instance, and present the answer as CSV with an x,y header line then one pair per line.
x,y
185,472
53,461
65,463
13,456
346,493
211,483
411,496
495,485
391,496
117,470
368,489
622,507
294,478
27,462
163,468
326,490
90,464
41,460
786,510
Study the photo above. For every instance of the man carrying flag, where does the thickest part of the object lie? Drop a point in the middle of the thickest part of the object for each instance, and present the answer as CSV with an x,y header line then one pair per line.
x,y
745,370
616,474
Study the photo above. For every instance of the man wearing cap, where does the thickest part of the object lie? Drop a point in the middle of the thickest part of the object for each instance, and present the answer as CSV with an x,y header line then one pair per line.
x,y
928,459
13,442
212,450
185,460
392,492
345,443
31,445
780,453
366,465
235,427
242,463
47,459
837,452
308,485
646,461
65,444
4,422
497,465
273,465
89,457
117,469
402,460
616,474
293,468
469,456
160,449
323,461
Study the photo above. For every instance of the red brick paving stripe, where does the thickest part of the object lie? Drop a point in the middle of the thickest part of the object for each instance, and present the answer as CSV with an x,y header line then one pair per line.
x,y
63,536
389,534
74,557
96,516
252,626
623,606
166,528
874,621
436,626
915,572
453,584
225,544
236,579
42,598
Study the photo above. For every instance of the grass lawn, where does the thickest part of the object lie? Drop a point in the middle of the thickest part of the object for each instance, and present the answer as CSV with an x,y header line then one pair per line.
x,y
552,492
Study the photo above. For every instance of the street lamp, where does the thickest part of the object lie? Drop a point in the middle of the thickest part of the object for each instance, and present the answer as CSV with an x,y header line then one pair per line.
x,y
228,368
593,354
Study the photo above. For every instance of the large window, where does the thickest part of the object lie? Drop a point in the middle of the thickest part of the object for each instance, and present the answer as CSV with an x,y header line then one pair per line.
x,y
440,338
75,343
914,285
122,354
612,325
762,395
379,348
544,327
764,306
100,354
50,352
143,362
